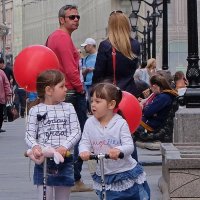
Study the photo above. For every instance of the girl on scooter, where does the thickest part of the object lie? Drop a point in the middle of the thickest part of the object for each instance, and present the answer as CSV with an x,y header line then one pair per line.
x,y
107,132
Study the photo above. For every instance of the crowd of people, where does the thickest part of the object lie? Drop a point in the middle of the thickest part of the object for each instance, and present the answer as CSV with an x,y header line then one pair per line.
x,y
17,95
92,85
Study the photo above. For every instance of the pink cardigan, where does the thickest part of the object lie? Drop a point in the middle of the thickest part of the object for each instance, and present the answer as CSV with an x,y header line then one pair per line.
x,y
5,90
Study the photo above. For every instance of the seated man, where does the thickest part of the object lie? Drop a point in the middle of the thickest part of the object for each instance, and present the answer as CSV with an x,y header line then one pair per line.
x,y
180,82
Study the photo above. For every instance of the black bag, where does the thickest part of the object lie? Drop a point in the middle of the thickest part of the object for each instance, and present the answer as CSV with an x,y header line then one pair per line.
x,y
12,112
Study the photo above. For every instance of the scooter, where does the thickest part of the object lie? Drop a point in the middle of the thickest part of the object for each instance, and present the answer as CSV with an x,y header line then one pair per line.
x,y
48,152
100,158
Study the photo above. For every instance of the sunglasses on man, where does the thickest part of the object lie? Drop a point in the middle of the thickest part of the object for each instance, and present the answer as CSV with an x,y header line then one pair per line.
x,y
72,17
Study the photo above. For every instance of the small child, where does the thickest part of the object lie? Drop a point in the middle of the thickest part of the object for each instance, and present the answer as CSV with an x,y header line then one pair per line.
x,y
108,133
53,123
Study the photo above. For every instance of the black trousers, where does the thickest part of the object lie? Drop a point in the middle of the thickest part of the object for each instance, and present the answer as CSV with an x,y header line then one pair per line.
x,y
1,114
80,106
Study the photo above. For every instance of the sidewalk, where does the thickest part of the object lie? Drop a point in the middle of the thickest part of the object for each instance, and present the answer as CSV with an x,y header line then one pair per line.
x,y
15,183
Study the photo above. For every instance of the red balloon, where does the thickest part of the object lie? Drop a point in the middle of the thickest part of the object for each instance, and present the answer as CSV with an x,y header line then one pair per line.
x,y
30,62
131,110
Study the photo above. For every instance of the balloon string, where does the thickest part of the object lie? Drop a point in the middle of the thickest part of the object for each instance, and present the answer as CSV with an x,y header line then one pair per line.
x,y
26,107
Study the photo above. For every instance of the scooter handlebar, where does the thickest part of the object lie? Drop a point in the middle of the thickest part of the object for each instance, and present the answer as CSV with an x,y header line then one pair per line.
x,y
68,153
106,156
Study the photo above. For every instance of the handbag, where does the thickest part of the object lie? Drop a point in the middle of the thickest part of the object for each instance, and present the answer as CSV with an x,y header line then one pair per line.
x,y
12,112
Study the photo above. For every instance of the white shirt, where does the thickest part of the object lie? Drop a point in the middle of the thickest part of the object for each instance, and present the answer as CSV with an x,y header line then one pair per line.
x,y
100,139
59,128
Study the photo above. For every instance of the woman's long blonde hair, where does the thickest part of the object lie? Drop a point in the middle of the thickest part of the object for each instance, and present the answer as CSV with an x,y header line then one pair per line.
x,y
150,63
119,34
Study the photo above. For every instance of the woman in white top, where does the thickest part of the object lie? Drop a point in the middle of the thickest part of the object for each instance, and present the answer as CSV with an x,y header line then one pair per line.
x,y
146,73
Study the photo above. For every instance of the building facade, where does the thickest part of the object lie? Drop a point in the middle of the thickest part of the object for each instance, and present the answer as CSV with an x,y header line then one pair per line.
x,y
6,16
33,21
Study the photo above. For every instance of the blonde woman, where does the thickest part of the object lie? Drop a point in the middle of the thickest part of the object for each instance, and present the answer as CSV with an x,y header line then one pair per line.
x,y
146,73
127,51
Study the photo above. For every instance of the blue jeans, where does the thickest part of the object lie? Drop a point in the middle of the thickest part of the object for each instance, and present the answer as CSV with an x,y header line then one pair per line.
x,y
136,192
57,175
79,102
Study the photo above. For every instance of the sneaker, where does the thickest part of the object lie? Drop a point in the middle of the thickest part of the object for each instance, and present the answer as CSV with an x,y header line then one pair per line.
x,y
148,145
1,130
81,187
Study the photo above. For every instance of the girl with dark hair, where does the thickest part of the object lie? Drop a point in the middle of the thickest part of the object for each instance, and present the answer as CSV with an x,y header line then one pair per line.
x,y
157,107
108,133
53,123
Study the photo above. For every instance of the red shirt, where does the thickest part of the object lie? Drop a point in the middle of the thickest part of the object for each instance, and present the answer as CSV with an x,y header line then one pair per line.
x,y
61,43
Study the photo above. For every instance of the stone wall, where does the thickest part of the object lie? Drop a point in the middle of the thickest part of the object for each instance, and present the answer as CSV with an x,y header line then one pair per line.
x,y
180,171
187,126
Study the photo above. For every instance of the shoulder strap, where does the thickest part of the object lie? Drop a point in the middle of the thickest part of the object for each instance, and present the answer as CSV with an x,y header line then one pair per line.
x,y
114,64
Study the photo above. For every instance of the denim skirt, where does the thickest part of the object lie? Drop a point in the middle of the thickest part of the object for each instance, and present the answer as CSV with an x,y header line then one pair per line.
x,y
57,175
135,192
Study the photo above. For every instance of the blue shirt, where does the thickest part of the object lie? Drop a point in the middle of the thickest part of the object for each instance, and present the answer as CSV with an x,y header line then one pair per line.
x,y
32,96
89,62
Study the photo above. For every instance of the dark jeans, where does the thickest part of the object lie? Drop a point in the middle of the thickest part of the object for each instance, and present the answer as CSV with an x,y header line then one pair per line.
x,y
88,100
20,101
134,154
79,103
134,136
1,114
5,117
